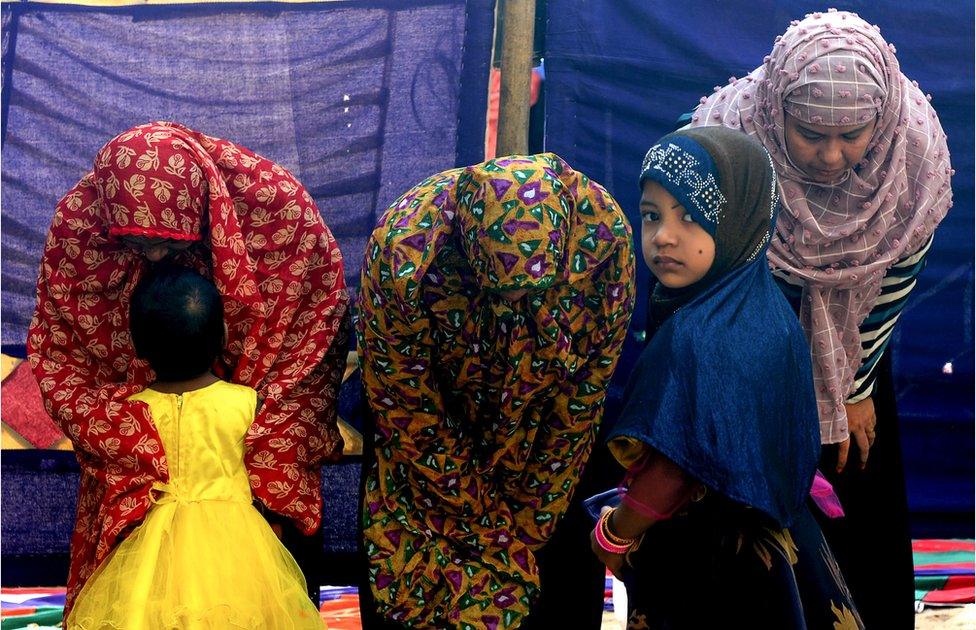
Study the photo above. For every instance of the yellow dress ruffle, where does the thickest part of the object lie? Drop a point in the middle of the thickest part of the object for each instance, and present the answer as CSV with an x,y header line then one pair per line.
x,y
203,557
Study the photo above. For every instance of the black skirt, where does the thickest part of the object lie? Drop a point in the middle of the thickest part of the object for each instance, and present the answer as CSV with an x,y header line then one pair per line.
x,y
725,566
872,543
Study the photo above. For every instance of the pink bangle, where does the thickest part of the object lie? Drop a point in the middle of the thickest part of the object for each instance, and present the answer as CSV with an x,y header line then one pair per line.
x,y
603,541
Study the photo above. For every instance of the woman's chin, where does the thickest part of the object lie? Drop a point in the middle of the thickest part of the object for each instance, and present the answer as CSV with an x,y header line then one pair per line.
x,y
827,177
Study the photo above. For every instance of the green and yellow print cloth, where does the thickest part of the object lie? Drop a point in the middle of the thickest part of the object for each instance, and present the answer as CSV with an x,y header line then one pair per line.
x,y
486,408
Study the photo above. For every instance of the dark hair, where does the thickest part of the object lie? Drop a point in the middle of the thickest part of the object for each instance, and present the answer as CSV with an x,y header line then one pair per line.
x,y
176,318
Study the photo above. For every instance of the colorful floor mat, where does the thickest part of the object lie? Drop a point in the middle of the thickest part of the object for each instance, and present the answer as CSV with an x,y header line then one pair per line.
x,y
37,608
944,572
339,606
944,576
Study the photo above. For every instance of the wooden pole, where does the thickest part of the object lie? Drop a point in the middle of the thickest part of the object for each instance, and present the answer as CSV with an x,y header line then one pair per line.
x,y
516,70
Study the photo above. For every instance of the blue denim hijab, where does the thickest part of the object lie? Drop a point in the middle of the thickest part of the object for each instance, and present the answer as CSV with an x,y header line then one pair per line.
x,y
725,387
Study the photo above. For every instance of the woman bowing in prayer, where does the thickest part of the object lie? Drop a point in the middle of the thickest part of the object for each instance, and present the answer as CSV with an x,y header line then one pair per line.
x,y
495,300
163,191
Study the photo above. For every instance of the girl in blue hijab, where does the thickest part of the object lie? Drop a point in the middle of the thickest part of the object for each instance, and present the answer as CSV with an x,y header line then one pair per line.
x,y
719,431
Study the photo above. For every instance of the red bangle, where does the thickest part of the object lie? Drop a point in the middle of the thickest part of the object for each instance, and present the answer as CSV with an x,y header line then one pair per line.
x,y
604,542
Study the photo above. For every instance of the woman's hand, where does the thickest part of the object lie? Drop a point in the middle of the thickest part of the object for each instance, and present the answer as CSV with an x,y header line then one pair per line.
x,y
861,422
614,561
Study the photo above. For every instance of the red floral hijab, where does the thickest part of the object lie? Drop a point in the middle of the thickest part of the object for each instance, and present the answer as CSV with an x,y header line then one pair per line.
x,y
151,185
258,234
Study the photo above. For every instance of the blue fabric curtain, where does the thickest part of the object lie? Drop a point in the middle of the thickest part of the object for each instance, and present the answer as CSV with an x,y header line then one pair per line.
x,y
620,72
360,100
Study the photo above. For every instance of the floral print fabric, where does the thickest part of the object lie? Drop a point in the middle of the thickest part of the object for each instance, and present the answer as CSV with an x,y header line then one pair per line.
x,y
485,408
258,234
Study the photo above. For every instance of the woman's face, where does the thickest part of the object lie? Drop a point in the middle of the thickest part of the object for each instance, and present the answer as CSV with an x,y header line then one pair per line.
x,y
154,249
824,153
678,251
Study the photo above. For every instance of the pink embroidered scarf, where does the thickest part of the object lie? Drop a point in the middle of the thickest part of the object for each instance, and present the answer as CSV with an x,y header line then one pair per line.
x,y
841,238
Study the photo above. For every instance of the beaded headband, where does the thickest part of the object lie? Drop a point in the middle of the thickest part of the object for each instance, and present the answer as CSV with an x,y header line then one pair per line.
x,y
687,171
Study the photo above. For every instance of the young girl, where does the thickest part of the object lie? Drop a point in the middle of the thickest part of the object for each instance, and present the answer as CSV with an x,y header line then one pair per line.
x,y
719,431
203,557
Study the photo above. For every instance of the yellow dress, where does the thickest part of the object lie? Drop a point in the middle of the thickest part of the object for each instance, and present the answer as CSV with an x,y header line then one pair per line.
x,y
204,557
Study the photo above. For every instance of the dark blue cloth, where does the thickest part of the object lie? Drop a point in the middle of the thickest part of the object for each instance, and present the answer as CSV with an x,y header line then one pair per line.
x,y
712,568
725,390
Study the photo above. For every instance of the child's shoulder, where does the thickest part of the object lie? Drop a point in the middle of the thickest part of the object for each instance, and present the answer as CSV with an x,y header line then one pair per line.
x,y
144,396
222,389
235,388
233,393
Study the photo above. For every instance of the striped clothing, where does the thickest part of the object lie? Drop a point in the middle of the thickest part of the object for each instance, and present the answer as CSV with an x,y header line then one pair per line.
x,y
875,330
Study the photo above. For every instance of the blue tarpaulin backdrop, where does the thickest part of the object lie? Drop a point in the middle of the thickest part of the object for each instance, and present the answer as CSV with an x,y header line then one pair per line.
x,y
359,99
620,72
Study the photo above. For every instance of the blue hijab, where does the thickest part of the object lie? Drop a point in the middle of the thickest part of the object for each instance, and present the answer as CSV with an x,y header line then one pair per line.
x,y
725,386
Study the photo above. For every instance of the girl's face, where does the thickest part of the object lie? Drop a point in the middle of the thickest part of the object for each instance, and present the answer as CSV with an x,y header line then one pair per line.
x,y
678,251
823,152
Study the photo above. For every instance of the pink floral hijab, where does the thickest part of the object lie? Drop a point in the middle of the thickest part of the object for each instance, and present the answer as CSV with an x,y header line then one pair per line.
x,y
840,238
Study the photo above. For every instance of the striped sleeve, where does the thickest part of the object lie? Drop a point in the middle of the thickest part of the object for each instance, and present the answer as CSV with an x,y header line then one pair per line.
x,y
875,330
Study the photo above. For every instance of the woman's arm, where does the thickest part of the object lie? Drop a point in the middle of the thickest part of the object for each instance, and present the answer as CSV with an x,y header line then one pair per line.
x,y
875,333
79,347
875,330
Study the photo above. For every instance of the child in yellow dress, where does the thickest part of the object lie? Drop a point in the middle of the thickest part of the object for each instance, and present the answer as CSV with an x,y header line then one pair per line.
x,y
204,557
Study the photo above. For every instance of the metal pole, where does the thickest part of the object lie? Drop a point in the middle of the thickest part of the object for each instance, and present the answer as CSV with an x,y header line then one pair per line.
x,y
516,69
